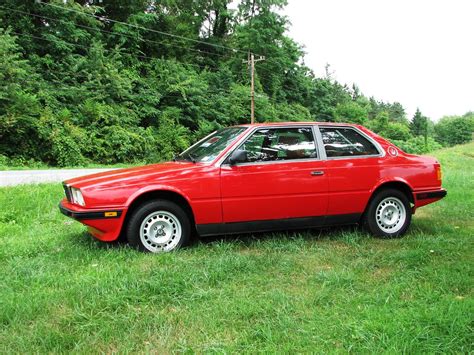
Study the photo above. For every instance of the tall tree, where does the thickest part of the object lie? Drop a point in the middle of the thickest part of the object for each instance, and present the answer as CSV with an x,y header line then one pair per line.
x,y
419,124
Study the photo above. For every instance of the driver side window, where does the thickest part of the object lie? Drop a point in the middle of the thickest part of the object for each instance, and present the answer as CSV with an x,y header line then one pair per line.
x,y
276,144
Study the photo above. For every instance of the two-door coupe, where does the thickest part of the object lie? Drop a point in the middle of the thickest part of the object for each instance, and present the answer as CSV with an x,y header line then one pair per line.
x,y
259,177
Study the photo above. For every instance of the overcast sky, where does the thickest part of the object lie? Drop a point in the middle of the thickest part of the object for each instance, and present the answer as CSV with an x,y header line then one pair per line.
x,y
417,52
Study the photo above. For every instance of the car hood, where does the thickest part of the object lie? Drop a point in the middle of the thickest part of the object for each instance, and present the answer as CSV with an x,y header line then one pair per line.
x,y
131,176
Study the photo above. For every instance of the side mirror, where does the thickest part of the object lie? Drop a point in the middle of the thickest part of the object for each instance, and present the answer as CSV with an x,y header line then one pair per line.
x,y
238,156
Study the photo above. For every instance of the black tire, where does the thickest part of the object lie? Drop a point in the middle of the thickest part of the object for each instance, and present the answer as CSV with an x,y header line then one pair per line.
x,y
373,218
164,219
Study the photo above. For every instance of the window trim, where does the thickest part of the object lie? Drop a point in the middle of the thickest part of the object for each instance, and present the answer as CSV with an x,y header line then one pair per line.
x,y
222,161
363,134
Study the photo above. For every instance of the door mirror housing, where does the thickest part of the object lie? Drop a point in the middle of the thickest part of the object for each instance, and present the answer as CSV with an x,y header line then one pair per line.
x,y
238,156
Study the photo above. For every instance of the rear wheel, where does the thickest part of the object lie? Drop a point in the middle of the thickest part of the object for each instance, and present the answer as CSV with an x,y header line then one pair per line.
x,y
158,226
388,214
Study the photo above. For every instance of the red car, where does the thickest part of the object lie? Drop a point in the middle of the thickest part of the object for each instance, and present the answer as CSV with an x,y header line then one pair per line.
x,y
259,177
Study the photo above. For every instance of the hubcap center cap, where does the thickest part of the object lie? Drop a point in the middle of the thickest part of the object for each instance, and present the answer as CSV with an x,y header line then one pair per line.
x,y
390,215
160,232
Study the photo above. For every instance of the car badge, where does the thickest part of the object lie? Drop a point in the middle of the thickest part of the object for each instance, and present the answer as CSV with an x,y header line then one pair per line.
x,y
392,151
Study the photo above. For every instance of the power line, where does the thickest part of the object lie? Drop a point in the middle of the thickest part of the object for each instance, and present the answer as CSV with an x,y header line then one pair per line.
x,y
121,52
252,95
124,35
101,18
251,55
112,33
74,87
78,88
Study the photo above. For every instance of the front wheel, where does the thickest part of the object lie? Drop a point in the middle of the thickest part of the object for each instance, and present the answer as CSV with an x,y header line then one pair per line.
x,y
388,214
158,226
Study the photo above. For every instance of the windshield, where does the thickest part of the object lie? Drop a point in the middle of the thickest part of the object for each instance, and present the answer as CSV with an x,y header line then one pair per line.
x,y
208,149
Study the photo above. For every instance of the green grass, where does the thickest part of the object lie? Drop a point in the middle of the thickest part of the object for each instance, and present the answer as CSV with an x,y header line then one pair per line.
x,y
334,290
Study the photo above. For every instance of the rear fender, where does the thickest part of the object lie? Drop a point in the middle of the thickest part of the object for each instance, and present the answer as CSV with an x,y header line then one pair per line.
x,y
391,180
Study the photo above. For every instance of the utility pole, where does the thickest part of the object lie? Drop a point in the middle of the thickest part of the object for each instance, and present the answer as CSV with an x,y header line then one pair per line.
x,y
251,61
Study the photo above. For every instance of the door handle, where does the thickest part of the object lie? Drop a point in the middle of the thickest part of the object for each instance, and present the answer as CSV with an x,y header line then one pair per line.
x,y
317,173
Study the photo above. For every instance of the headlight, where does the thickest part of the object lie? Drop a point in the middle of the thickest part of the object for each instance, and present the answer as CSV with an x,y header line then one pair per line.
x,y
77,196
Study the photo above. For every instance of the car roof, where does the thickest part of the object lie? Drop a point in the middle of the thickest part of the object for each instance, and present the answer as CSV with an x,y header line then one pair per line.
x,y
273,124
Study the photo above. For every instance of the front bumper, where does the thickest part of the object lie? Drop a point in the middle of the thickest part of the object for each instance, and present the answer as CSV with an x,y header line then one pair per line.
x,y
100,214
103,224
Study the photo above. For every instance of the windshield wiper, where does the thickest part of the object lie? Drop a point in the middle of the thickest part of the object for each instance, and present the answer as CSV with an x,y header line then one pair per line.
x,y
184,156
191,157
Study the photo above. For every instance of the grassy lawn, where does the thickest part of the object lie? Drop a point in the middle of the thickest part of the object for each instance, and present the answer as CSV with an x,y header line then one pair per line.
x,y
322,290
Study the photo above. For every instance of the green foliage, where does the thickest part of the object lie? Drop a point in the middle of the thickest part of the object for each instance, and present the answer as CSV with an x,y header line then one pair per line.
x,y
396,131
170,137
65,150
389,129
3,161
417,145
116,143
380,121
351,112
455,129
292,112
77,89
394,111
205,128
419,124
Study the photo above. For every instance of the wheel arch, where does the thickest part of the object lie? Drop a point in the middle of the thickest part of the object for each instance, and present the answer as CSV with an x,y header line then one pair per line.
x,y
397,184
156,194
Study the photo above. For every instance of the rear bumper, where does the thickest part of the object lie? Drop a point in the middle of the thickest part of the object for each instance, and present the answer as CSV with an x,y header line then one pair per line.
x,y
431,194
426,197
103,224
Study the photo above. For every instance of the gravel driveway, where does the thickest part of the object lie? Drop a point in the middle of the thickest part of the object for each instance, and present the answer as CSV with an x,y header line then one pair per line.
x,y
18,177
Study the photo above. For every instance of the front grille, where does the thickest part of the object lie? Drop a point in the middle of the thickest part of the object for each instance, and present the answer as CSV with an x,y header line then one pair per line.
x,y
67,191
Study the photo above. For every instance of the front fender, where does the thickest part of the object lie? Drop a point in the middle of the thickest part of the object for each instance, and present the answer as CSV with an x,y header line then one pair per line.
x,y
159,187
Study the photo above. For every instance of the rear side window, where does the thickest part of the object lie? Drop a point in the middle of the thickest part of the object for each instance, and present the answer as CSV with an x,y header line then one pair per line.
x,y
346,142
271,144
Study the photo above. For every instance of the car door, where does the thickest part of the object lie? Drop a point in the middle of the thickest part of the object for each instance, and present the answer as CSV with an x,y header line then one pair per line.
x,y
281,178
353,168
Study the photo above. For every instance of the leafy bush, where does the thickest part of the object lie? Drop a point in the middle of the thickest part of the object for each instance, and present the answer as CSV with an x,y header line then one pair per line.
x,y
417,145
292,112
170,136
204,128
396,131
388,129
351,112
118,144
65,150
455,130
3,161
